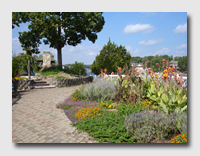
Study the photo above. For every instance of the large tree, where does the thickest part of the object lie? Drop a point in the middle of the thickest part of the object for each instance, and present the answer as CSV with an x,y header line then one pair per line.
x,y
58,29
111,57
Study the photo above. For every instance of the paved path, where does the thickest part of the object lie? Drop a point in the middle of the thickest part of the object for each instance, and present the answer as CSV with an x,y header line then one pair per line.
x,y
35,119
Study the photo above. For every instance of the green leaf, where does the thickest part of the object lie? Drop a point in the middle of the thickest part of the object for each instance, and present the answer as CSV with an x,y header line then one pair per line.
x,y
153,97
182,103
164,107
159,93
184,108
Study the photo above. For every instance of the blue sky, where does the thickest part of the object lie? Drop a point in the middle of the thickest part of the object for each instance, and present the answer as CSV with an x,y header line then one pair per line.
x,y
142,33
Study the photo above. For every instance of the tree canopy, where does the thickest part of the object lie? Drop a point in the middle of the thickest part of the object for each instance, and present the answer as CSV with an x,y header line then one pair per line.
x,y
111,57
57,29
20,64
182,63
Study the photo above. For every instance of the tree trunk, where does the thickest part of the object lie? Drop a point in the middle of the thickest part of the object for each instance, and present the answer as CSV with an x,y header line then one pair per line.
x,y
59,47
59,56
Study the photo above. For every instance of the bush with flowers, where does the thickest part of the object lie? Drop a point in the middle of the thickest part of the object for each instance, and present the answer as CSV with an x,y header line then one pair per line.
x,y
77,96
19,78
88,112
181,138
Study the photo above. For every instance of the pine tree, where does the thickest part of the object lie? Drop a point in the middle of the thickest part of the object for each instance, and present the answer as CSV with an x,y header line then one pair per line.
x,y
111,57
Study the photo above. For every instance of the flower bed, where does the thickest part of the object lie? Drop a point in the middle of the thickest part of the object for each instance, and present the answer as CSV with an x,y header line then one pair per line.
x,y
146,110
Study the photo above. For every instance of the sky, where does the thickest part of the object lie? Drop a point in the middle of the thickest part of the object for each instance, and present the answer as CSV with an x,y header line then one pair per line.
x,y
142,34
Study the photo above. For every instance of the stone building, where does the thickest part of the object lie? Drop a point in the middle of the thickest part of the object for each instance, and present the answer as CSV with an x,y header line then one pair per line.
x,y
47,59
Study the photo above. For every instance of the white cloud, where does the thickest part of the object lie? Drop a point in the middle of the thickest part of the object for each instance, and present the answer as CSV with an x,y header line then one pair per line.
x,y
182,46
129,48
145,28
133,52
92,53
181,28
163,51
151,42
80,53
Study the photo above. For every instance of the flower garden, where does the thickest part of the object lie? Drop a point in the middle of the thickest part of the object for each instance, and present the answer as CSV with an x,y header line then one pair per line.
x,y
131,109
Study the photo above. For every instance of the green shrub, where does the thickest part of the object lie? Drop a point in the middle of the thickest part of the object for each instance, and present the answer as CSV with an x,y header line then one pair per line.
x,y
15,66
77,67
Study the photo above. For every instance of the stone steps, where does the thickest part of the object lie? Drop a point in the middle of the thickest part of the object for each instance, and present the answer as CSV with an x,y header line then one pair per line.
x,y
42,85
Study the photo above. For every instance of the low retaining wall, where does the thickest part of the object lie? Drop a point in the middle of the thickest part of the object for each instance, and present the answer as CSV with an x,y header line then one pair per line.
x,y
22,84
69,82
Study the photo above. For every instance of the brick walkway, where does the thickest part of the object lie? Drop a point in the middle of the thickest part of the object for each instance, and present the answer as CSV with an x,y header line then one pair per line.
x,y
36,120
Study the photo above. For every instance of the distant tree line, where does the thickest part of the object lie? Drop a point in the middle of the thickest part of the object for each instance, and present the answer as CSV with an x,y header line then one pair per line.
x,y
182,61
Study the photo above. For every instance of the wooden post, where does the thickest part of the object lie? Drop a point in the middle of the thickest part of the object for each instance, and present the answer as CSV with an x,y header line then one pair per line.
x,y
29,70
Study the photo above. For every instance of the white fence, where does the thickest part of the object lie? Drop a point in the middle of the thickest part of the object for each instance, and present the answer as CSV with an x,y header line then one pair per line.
x,y
114,77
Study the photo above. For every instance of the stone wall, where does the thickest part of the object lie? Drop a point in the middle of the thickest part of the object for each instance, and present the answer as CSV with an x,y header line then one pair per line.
x,y
22,84
69,82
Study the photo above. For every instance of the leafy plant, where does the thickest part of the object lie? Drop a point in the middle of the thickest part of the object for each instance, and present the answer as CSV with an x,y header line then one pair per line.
x,y
168,95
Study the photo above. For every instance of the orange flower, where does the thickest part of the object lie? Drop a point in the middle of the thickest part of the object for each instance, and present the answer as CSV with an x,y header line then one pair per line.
x,y
128,76
120,69
164,60
151,76
137,73
156,76
157,64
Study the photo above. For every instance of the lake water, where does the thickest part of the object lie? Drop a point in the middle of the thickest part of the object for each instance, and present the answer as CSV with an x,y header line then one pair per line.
x,y
88,74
